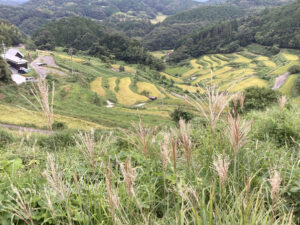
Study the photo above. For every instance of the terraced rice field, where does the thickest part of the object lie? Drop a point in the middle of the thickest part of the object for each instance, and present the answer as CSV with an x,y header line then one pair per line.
x,y
112,84
170,77
290,57
69,58
126,96
241,59
249,82
96,86
149,88
190,89
287,88
283,69
128,69
15,115
243,71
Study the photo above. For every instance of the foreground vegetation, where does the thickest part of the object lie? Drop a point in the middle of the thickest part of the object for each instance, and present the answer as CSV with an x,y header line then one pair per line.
x,y
220,170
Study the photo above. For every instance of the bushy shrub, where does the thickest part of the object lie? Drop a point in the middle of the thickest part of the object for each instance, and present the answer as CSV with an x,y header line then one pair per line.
x,y
294,69
59,126
58,140
281,128
179,113
257,98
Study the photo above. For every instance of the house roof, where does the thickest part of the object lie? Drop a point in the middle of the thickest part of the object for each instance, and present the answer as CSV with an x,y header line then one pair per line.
x,y
12,55
14,59
14,52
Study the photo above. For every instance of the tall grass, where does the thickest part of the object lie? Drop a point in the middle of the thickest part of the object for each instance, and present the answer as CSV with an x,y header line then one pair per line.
x,y
154,176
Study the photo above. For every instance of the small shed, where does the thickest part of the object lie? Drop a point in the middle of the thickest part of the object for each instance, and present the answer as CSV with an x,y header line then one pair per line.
x,y
15,58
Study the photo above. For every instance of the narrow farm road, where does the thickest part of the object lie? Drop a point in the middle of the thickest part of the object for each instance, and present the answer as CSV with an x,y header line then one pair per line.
x,y
44,70
26,129
279,81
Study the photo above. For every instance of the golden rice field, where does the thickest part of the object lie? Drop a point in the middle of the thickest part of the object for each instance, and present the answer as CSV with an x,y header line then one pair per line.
x,y
210,61
287,88
15,115
96,86
221,62
150,88
169,77
249,82
241,59
283,69
290,57
126,96
112,83
190,89
69,58
128,69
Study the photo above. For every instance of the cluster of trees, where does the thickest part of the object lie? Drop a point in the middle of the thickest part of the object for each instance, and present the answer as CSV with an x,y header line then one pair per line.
x,y
166,34
9,34
276,28
4,71
86,35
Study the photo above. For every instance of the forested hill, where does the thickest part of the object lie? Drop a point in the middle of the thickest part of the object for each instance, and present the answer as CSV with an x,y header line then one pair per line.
x,y
167,33
35,13
277,27
88,36
9,34
251,3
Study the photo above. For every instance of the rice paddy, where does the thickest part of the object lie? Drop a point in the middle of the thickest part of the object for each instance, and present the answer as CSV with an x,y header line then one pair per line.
x,y
15,115
112,83
75,59
148,88
236,71
126,96
127,69
242,69
96,86
287,88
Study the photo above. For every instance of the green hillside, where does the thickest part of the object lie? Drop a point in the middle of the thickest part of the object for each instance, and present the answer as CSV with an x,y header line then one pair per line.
x,y
166,34
278,27
35,13
86,35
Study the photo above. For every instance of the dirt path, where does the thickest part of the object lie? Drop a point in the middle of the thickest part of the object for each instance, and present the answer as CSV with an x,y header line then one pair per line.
x,y
26,129
279,81
44,70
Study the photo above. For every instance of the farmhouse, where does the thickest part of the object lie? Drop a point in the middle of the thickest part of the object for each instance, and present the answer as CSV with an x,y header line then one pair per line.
x,y
15,58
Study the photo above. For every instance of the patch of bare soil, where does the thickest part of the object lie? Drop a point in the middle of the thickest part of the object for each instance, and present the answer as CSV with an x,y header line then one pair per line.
x,y
279,81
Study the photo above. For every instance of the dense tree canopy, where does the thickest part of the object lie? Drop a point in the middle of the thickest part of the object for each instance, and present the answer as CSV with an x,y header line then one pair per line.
x,y
86,35
9,34
166,34
36,13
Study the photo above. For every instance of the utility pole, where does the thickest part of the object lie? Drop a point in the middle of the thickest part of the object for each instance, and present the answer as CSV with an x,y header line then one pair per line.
x,y
162,100
3,48
71,53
